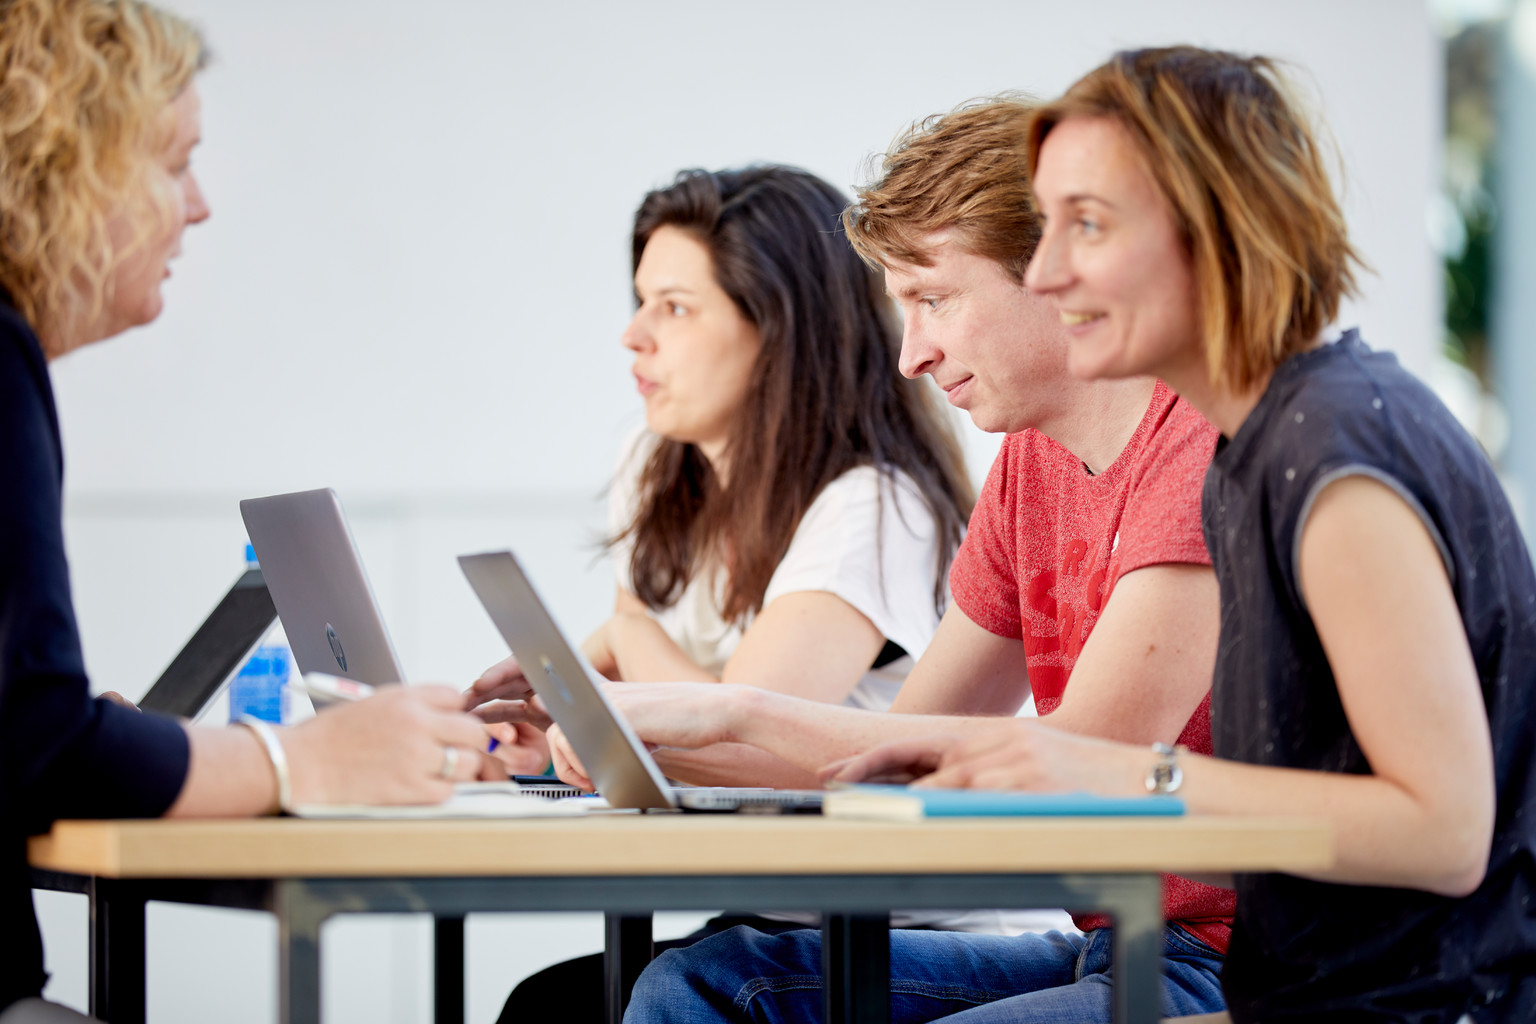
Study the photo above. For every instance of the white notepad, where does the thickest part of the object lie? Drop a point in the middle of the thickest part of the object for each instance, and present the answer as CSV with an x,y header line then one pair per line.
x,y
469,800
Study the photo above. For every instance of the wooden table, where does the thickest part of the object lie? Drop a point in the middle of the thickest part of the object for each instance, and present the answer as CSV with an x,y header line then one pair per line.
x,y
628,866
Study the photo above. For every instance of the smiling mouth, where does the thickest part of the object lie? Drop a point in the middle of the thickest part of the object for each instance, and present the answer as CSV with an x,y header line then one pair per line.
x,y
1071,319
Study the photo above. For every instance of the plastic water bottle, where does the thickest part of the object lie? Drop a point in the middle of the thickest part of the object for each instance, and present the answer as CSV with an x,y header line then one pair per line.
x,y
261,687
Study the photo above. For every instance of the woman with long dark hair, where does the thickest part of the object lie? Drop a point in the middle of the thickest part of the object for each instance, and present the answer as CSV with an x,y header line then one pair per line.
x,y
787,516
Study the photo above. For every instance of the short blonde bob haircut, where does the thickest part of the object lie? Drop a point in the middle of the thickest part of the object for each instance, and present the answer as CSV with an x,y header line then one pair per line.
x,y
1235,157
84,90
965,171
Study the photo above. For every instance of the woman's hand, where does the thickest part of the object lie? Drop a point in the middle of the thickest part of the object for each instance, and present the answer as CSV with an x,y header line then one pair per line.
x,y
389,749
900,762
1018,754
520,746
1027,754
502,681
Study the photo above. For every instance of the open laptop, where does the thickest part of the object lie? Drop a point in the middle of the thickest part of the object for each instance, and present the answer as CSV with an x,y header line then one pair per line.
x,y
319,586
205,665
615,759
321,592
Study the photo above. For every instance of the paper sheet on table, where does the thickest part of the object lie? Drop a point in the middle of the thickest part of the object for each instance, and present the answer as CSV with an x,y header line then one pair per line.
x,y
469,800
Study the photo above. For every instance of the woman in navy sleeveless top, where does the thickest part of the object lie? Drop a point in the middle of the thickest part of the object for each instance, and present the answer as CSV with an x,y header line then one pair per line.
x,y
1378,623
1378,630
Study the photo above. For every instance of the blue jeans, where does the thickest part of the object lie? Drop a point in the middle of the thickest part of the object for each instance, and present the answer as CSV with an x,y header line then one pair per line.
x,y
958,977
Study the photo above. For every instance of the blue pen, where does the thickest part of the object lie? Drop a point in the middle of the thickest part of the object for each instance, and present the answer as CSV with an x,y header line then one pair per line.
x,y
331,688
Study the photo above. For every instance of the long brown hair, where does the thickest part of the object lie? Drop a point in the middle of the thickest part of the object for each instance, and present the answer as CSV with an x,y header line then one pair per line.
x,y
825,395
1232,150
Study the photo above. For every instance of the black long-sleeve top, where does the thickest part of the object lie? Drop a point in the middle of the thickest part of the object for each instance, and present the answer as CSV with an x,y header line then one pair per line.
x,y
62,754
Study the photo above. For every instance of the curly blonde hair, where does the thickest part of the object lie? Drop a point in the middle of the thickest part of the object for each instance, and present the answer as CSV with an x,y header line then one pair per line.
x,y
84,90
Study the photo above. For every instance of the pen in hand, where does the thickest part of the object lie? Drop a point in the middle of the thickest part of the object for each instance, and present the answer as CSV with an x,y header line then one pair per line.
x,y
331,688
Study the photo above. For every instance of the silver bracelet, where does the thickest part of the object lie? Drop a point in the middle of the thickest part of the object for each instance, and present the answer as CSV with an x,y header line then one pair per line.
x,y
1165,776
277,756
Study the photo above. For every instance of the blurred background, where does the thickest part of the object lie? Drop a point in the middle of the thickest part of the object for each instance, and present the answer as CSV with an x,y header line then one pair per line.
x,y
416,272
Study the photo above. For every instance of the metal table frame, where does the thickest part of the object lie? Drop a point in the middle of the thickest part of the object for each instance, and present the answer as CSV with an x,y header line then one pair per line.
x,y
855,948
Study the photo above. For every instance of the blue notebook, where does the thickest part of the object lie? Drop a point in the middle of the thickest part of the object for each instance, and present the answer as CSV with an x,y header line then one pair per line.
x,y
900,803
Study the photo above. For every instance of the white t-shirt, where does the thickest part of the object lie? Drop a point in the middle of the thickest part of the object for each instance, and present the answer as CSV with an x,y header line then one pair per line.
x,y
868,537
880,557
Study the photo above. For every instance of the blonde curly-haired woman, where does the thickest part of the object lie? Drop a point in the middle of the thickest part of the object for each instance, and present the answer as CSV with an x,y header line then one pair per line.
x,y
99,115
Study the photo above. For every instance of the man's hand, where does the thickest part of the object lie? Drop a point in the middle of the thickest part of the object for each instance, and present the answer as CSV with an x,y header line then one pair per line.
x,y
567,765
686,715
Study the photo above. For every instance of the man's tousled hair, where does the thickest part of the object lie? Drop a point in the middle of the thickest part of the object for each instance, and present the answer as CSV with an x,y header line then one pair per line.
x,y
967,172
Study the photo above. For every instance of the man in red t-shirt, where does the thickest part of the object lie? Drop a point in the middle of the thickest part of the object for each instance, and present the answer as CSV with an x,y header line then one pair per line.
x,y
1084,561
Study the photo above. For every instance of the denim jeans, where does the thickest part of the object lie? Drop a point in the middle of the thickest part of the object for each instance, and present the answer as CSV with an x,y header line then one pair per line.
x,y
957,977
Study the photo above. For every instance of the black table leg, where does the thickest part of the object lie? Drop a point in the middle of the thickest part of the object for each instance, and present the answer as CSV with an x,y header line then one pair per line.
x,y
299,917
117,953
1138,951
626,950
448,970
856,968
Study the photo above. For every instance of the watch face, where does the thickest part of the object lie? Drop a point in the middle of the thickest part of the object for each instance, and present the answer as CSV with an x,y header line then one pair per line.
x,y
1165,776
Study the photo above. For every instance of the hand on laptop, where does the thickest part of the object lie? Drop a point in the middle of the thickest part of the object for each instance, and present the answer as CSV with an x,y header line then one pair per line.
x,y
687,716
389,749
899,762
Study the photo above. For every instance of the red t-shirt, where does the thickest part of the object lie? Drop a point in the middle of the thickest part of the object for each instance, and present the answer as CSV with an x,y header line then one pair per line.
x,y
1046,545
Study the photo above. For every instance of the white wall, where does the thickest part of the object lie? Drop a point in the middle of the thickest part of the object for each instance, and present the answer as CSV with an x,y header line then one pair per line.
x,y
413,283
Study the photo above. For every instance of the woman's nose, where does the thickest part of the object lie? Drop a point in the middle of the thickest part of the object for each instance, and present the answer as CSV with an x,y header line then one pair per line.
x,y
637,336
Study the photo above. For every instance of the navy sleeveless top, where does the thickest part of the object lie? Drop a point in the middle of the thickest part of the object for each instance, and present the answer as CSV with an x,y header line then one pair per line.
x,y
1316,951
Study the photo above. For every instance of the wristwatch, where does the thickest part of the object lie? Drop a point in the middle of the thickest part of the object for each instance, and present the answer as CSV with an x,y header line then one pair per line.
x,y
1165,776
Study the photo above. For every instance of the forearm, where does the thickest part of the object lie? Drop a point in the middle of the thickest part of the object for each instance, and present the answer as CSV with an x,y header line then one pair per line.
x,y
811,735
1383,835
733,764
645,653
228,775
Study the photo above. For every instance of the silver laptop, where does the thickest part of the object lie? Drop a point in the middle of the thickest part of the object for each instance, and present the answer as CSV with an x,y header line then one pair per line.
x,y
615,759
319,587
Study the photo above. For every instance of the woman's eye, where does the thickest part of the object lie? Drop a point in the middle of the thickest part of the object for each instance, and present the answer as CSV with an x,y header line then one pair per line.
x,y
673,309
1087,225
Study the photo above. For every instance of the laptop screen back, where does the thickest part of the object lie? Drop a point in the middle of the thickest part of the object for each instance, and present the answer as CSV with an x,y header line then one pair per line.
x,y
319,586
615,760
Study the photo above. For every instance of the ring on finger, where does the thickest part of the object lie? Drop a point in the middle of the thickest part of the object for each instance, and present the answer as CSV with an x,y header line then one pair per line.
x,y
450,766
